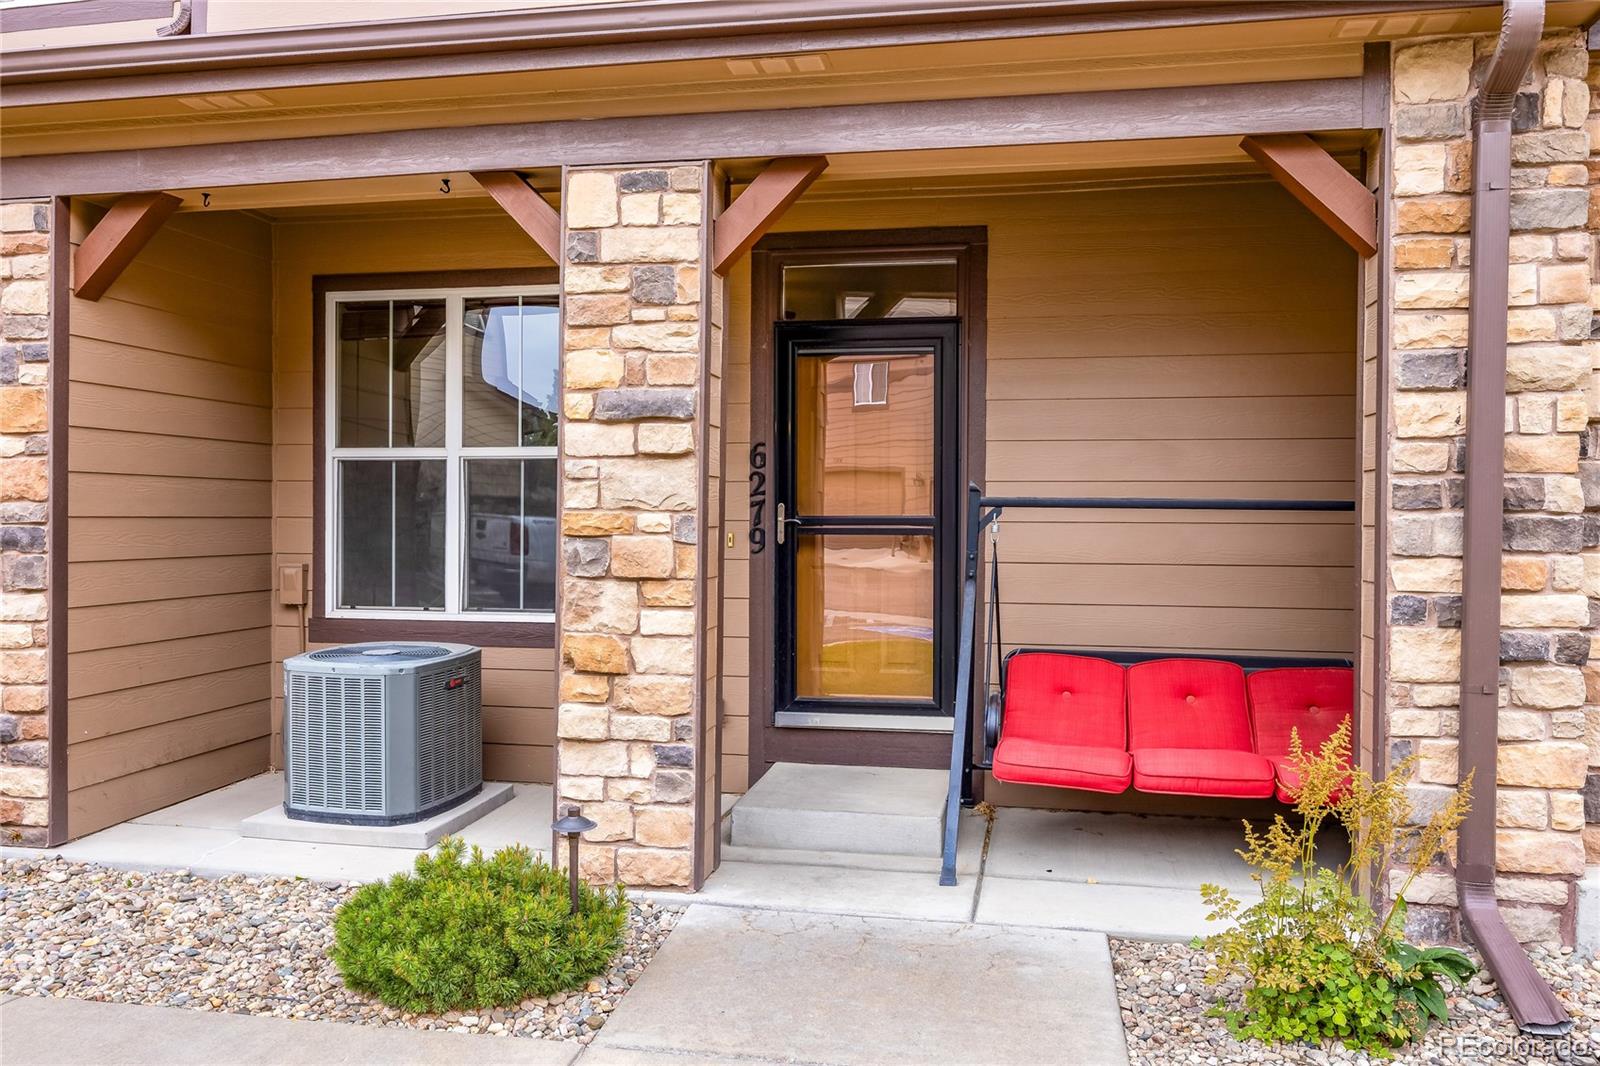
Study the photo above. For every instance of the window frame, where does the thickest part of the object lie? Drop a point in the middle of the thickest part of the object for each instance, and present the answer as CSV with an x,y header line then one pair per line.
x,y
454,454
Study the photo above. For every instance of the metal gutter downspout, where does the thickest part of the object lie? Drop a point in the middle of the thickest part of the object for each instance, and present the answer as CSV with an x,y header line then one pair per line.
x,y
1530,999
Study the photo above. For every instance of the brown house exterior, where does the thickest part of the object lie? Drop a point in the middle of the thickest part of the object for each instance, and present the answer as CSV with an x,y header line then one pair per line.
x,y
1063,248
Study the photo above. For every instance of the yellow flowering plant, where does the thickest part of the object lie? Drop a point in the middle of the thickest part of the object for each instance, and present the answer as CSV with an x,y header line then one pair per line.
x,y
1318,959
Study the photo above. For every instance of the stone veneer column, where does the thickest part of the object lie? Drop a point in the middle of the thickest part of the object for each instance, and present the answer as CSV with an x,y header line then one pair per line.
x,y
1589,472
633,468
24,494
1545,610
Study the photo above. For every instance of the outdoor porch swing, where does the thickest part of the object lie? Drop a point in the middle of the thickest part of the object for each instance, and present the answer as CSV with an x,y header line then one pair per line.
x,y
1104,721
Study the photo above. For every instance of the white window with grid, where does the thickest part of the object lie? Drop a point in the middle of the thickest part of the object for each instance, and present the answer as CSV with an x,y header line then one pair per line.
x,y
440,476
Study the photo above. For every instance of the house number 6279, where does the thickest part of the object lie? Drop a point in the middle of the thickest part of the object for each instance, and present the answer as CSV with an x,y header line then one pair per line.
x,y
758,497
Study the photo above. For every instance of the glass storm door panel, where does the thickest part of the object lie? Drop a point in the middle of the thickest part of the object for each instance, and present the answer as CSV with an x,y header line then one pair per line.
x,y
865,480
863,616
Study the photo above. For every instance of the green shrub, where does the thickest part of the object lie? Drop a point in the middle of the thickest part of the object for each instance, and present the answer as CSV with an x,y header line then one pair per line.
x,y
1318,961
469,935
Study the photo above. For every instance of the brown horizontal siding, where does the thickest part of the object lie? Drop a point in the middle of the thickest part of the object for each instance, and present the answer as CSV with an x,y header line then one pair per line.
x,y
105,803
1186,340
108,713
169,530
140,580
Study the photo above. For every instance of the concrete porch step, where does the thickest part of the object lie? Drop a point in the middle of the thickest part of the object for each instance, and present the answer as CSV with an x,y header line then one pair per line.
x,y
858,809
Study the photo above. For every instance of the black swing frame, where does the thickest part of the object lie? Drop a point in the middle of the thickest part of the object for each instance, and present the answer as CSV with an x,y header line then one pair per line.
x,y
982,512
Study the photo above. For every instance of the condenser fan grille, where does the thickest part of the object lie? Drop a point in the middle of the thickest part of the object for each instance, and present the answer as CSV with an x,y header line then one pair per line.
x,y
380,653
335,735
449,735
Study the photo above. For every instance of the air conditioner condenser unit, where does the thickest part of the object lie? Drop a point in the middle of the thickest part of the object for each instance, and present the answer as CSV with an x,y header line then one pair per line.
x,y
383,733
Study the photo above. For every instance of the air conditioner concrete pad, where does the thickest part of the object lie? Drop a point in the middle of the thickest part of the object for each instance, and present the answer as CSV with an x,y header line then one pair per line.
x,y
273,824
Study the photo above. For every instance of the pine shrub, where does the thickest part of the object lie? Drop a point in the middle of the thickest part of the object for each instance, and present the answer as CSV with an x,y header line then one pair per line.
x,y
474,934
1319,961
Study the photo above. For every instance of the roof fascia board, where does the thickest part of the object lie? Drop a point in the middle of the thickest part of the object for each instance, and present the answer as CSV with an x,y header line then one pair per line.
x,y
1310,106
596,35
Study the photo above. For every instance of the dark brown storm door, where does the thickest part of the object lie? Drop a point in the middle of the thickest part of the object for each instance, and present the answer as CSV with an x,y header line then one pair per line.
x,y
865,496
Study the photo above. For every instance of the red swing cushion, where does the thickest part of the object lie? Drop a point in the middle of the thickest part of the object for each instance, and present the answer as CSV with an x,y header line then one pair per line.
x,y
1312,699
1065,723
1202,772
1190,730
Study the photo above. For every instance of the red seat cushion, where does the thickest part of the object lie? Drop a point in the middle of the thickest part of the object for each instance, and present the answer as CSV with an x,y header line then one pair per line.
x,y
1314,700
1065,723
1202,772
1066,699
1187,703
1040,762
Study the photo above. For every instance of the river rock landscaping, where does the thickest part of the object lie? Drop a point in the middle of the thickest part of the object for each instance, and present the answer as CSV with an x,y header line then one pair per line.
x,y
1164,1000
245,945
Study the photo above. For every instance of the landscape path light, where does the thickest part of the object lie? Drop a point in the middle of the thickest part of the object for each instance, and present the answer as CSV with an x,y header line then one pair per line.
x,y
572,825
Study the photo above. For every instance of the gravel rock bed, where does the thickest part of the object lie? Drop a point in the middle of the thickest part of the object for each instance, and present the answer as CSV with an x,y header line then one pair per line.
x,y
244,945
1164,1000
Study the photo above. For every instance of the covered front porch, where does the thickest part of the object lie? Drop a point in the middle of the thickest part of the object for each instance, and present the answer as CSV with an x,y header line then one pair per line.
x,y
1159,317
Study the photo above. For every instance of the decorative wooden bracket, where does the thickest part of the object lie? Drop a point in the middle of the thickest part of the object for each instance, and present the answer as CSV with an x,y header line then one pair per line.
x,y
1316,179
108,249
525,206
743,222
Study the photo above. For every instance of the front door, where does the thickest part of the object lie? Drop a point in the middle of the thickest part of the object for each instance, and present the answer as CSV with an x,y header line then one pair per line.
x,y
865,494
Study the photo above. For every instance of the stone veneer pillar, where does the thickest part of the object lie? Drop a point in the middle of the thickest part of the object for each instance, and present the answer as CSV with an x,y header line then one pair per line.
x,y
634,456
1545,607
24,502
1589,472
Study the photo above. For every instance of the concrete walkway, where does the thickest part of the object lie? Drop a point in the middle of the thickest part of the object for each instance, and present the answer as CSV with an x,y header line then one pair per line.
x,y
74,1032
786,987
728,986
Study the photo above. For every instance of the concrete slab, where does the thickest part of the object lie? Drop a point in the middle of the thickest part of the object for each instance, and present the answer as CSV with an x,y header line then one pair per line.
x,y
1136,911
293,858
524,820
838,890
148,847
622,1056
274,824
34,1032
1128,849
817,989
183,840
223,808
880,810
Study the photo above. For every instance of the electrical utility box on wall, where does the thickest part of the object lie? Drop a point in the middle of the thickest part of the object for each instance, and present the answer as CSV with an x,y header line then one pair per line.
x,y
383,733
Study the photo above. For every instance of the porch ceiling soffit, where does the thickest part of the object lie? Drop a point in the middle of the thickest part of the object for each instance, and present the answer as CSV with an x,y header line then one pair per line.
x,y
526,207
116,239
757,209
616,33
1322,184
1255,108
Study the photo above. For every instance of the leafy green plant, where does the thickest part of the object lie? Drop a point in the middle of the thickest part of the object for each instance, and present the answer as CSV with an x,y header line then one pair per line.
x,y
467,935
1318,961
